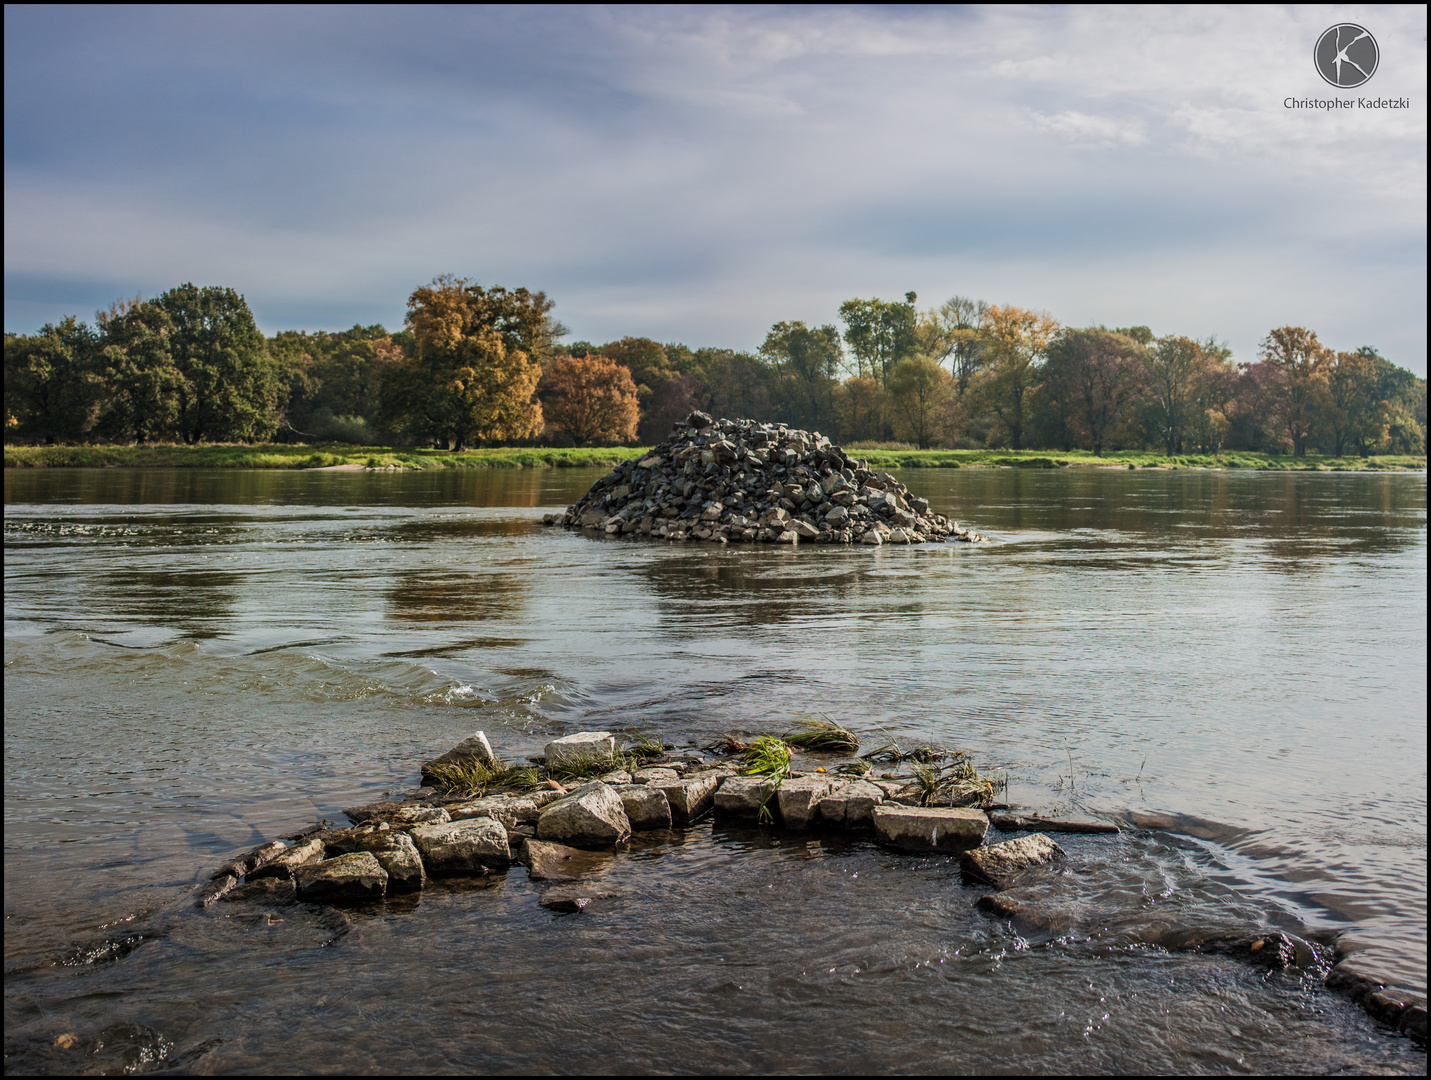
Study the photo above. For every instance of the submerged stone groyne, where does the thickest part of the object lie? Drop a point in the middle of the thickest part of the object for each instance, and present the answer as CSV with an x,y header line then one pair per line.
x,y
734,481
570,837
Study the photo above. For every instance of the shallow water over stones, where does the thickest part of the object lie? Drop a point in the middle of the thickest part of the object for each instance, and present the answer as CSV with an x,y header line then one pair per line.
x,y
1236,662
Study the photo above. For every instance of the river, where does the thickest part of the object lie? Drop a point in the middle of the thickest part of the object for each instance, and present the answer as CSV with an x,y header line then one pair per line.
x,y
197,660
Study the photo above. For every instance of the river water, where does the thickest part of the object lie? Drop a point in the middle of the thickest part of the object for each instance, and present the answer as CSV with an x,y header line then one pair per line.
x,y
196,661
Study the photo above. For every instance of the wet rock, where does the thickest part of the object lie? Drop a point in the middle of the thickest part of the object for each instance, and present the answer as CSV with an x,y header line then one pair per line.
x,y
510,810
343,841
398,856
1030,823
252,860
459,848
214,890
1000,865
592,816
546,861
569,899
734,481
646,806
930,828
850,805
473,749
741,797
267,891
654,774
1273,950
356,876
689,798
798,801
395,814
581,748
300,854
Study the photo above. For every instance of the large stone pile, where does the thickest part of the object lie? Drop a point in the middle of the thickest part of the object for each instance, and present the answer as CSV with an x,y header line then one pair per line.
x,y
732,481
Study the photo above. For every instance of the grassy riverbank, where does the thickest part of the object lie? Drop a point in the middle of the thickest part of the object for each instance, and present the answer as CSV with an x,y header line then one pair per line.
x,y
286,456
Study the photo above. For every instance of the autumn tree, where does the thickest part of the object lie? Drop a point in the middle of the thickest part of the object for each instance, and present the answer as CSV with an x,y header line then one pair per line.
x,y
1297,389
951,332
860,402
921,397
1015,341
1099,374
1175,368
879,334
474,372
590,399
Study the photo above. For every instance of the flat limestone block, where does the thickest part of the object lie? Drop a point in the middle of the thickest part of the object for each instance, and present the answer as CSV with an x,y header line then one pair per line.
x,y
1000,864
459,848
850,805
930,828
591,816
743,796
584,746
398,856
689,798
357,876
646,807
569,899
510,810
799,800
473,748
300,854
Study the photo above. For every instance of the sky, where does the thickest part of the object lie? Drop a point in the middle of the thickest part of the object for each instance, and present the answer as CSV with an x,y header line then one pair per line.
x,y
698,174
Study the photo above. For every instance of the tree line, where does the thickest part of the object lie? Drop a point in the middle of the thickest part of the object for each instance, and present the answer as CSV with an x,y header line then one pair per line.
x,y
477,365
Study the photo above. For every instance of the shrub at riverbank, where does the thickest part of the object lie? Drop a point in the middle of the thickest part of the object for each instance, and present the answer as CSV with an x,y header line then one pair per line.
x,y
298,456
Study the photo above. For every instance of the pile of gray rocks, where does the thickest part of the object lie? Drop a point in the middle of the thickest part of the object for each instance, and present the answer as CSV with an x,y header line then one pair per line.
x,y
733,481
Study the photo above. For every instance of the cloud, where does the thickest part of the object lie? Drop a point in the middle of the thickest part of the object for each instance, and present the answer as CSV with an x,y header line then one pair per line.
x,y
699,173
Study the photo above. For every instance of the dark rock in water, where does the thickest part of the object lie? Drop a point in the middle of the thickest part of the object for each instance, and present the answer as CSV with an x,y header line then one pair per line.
x,y
268,891
1000,865
215,890
546,861
737,481
1052,918
1401,1009
568,899
1019,822
1274,950
348,877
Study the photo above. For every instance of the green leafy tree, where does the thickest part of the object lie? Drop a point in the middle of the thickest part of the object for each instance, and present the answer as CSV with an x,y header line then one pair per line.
x,y
229,388
879,334
142,386
1175,367
49,382
951,332
807,363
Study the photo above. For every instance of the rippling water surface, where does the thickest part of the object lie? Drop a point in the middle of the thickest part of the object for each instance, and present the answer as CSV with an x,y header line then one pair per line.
x,y
196,661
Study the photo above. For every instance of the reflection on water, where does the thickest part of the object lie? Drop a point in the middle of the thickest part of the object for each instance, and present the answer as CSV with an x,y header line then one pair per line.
x,y
197,660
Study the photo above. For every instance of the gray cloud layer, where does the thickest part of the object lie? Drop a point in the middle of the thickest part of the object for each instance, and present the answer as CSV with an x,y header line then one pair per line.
x,y
697,174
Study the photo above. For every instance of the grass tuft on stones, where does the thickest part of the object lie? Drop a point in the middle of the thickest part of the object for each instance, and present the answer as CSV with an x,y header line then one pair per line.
x,y
822,735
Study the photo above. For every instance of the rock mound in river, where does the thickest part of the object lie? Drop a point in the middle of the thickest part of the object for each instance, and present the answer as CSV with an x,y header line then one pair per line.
x,y
729,481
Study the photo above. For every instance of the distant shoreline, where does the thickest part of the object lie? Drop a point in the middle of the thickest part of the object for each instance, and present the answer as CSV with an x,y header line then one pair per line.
x,y
342,458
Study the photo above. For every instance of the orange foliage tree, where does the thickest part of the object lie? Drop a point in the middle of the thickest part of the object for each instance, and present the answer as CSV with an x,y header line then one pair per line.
x,y
591,399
